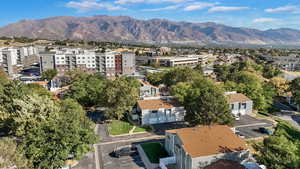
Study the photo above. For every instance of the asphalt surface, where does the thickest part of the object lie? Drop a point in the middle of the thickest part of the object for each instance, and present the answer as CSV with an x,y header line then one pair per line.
x,y
248,126
126,162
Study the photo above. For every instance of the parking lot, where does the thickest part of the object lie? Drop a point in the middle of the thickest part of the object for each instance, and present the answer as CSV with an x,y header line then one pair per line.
x,y
249,126
125,162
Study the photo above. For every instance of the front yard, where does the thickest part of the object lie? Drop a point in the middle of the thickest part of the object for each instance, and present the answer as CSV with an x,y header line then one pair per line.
x,y
117,127
154,151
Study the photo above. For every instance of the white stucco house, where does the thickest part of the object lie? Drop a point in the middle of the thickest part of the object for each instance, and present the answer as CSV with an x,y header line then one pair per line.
x,y
202,146
239,104
159,110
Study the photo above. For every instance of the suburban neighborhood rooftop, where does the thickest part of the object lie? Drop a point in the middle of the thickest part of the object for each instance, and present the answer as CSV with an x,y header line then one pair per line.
x,y
158,104
209,140
237,97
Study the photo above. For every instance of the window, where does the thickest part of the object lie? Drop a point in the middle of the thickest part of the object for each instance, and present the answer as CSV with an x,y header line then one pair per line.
x,y
154,111
244,105
232,106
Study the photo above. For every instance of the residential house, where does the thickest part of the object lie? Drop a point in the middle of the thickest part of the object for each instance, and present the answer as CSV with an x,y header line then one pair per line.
x,y
198,147
239,104
148,90
159,110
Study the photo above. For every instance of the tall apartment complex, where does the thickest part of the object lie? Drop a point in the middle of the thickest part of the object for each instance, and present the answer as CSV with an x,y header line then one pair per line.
x,y
110,63
12,57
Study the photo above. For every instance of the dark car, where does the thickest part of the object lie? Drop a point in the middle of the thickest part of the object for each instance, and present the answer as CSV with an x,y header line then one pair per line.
x,y
126,151
265,131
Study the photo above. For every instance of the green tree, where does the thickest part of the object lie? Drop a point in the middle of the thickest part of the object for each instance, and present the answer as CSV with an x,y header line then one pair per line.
x,y
38,89
10,156
252,86
270,71
278,152
180,74
28,113
120,96
52,142
295,89
199,69
88,91
155,78
49,74
204,102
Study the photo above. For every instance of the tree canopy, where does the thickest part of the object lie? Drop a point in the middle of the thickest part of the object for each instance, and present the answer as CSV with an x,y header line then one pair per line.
x,y
295,89
10,156
49,74
204,102
120,96
88,91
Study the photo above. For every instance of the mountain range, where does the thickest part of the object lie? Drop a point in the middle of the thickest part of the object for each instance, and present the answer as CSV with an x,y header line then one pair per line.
x,y
128,29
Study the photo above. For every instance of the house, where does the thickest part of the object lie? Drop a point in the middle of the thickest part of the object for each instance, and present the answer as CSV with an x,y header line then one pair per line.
x,y
148,90
159,110
239,104
202,146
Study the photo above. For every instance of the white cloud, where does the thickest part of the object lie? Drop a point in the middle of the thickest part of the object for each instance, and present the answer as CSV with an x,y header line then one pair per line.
x,y
265,20
227,8
123,2
284,9
198,6
90,5
172,7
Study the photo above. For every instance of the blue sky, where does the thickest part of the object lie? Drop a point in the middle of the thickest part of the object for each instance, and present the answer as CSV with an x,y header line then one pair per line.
x,y
261,14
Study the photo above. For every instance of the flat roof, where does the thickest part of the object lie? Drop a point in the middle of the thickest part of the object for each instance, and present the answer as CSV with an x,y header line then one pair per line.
x,y
209,140
156,104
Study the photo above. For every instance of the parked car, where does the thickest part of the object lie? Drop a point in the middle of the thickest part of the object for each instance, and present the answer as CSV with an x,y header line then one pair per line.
x,y
125,151
265,130
239,134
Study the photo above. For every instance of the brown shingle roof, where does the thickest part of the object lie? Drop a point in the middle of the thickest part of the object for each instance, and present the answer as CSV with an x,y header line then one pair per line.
x,y
225,164
209,140
157,104
145,83
237,97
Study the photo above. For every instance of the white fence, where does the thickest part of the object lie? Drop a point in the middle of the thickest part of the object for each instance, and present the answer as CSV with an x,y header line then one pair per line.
x,y
165,161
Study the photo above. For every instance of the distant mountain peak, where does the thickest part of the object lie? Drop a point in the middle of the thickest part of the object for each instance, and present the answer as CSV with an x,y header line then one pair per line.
x,y
125,28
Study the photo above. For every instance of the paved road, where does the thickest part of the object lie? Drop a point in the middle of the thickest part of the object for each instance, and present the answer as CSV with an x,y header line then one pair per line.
x,y
292,118
288,114
248,126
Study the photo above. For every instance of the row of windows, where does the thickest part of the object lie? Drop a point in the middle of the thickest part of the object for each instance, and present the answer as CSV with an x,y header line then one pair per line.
x,y
240,106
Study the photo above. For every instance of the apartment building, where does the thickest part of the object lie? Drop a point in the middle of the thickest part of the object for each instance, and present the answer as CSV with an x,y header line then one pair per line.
x,y
110,63
289,63
9,60
188,60
13,57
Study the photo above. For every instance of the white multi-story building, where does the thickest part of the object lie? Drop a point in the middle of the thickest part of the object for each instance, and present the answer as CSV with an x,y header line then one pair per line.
x,y
110,63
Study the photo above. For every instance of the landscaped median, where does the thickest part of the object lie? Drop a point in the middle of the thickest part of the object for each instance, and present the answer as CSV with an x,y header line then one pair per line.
x,y
154,151
117,127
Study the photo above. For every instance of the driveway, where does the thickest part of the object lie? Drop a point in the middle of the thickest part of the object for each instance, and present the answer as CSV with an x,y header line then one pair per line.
x,y
290,117
248,126
126,162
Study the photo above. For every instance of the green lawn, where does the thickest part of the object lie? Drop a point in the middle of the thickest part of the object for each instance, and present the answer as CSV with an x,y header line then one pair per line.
x,y
154,151
117,127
